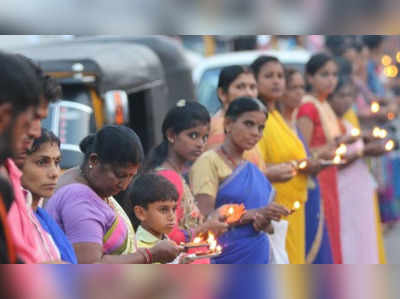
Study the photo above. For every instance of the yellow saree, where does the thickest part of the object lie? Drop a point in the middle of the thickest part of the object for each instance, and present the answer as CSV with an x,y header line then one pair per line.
x,y
280,144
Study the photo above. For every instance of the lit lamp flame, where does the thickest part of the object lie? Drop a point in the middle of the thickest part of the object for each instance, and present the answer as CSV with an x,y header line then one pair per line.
x,y
231,211
391,116
383,134
389,146
302,165
355,132
296,205
375,107
337,159
212,242
197,240
341,150
386,60
379,133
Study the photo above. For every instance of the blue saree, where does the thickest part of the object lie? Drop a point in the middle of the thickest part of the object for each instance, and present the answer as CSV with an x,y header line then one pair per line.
x,y
60,239
318,248
242,244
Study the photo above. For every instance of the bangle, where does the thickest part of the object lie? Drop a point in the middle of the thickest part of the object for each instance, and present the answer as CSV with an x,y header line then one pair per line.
x,y
145,253
149,255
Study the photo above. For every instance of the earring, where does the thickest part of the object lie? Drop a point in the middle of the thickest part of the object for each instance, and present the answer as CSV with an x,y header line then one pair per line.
x,y
172,141
90,166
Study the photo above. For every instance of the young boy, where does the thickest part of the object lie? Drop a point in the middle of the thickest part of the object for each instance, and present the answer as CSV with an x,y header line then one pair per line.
x,y
154,200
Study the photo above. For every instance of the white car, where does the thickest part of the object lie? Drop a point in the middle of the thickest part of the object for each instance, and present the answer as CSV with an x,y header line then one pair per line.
x,y
206,74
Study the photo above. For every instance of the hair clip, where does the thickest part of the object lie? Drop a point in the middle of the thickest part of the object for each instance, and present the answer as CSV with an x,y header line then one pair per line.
x,y
181,103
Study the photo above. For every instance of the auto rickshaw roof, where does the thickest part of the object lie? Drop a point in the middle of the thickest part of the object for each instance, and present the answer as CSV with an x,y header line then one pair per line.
x,y
173,56
117,65
170,52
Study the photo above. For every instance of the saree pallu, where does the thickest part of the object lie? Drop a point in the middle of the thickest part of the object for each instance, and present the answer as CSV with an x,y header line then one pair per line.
x,y
116,240
328,181
327,125
60,239
242,244
318,246
280,144
131,242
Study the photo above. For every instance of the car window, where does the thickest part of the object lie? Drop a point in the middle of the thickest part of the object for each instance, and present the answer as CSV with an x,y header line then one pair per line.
x,y
206,89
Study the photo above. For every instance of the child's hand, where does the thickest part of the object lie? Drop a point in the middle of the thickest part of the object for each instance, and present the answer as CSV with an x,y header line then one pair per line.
x,y
165,251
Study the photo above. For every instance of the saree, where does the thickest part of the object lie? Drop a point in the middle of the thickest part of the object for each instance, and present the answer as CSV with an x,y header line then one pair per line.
x,y
131,244
33,244
242,244
357,210
247,185
116,240
217,137
60,239
280,144
318,247
326,128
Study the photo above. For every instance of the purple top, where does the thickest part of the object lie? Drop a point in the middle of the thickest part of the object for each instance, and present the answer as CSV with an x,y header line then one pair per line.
x,y
81,213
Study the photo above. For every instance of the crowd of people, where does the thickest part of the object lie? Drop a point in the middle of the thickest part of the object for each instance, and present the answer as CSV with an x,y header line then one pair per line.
x,y
308,156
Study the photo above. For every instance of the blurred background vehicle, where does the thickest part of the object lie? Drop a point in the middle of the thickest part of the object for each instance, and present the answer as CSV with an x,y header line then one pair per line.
x,y
112,80
205,75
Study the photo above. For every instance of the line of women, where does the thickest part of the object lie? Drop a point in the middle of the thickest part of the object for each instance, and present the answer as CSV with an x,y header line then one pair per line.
x,y
249,153
336,221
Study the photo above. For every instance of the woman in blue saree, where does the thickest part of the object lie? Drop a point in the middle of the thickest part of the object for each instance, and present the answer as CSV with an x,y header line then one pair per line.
x,y
221,176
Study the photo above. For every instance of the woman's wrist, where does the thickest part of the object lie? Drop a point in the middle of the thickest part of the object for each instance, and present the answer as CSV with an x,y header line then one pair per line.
x,y
147,255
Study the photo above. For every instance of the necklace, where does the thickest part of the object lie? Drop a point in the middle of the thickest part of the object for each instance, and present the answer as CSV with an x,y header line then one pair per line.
x,y
229,157
173,166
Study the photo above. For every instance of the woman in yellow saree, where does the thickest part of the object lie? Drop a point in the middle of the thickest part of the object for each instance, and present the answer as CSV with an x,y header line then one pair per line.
x,y
279,146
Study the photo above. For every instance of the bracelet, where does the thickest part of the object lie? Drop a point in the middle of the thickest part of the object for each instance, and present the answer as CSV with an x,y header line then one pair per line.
x,y
149,255
145,253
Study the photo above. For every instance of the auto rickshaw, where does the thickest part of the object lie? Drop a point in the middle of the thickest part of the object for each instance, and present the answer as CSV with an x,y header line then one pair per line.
x,y
103,83
177,69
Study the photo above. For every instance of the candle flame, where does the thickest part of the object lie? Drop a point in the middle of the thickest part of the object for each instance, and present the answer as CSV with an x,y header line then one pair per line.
x,y
231,211
303,165
379,133
296,205
389,146
355,132
383,134
337,159
197,240
375,107
342,149
391,116
212,242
